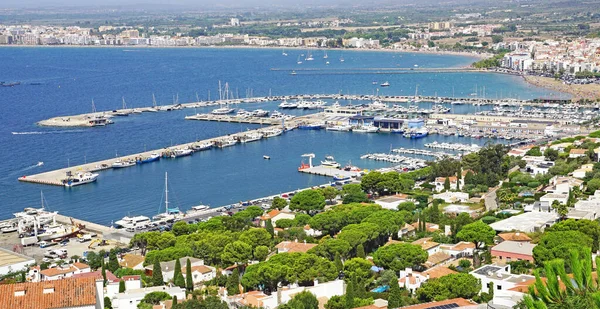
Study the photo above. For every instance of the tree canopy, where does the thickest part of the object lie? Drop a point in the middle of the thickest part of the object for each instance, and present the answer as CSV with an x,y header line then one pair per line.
x,y
398,257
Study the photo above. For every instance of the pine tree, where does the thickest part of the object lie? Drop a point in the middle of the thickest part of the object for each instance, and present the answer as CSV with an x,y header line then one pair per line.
x,y
121,286
113,262
157,276
189,282
178,279
174,301
447,184
360,251
103,271
338,262
395,296
350,289
269,227
233,283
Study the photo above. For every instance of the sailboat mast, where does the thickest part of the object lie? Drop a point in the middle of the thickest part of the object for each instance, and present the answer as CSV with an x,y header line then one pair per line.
x,y
166,193
153,101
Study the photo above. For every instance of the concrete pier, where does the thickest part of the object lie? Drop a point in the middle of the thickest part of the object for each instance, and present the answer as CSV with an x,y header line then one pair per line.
x,y
328,171
235,119
56,177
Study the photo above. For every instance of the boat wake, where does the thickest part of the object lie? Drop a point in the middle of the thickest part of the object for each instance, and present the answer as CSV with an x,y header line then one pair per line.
x,y
39,164
48,132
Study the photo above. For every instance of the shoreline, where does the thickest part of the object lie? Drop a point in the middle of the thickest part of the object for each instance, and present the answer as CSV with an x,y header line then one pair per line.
x,y
430,52
577,92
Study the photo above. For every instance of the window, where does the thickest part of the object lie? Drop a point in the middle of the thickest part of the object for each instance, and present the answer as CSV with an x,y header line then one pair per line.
x,y
498,287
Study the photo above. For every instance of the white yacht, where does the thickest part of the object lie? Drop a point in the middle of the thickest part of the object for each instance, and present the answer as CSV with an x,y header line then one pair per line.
x,y
251,137
226,142
260,113
198,208
79,179
272,132
133,222
121,164
343,128
170,213
366,129
178,152
330,162
202,146
288,105
223,111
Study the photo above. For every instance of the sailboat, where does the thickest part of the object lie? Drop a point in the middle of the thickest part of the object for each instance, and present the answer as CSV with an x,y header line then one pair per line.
x,y
124,111
474,94
283,53
309,57
154,107
299,61
342,58
325,56
98,120
170,213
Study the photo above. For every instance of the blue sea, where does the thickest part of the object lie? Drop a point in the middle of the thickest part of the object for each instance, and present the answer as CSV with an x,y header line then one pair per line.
x,y
69,78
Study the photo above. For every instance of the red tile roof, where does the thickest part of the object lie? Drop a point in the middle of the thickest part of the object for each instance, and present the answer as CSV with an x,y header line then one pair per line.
x,y
110,277
69,292
461,302
291,246
518,236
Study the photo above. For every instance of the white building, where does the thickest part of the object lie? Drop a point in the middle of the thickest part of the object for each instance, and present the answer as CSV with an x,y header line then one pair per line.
x,y
13,262
527,222
131,298
258,299
551,197
201,273
499,277
391,202
452,197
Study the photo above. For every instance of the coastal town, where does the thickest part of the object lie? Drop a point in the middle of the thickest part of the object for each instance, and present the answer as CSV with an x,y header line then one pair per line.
x,y
484,195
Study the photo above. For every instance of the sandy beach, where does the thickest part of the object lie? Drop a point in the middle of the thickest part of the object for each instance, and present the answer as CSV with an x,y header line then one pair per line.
x,y
589,92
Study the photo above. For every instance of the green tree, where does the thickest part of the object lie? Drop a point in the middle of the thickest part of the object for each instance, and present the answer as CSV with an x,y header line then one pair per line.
x,y
561,209
329,193
178,279
103,272
236,252
189,281
449,286
338,262
269,227
154,298
551,154
121,286
278,203
233,283
398,257
113,262
261,253
395,296
593,185
308,201
107,303
180,228
331,247
587,227
407,206
477,233
304,300
256,237
350,292
563,291
447,184
157,276
360,251
557,245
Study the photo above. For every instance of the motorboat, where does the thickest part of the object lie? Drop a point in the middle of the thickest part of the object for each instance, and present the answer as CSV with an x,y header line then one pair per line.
x,y
330,162
79,179
340,177
288,105
311,126
251,137
222,111
122,164
199,208
366,129
178,152
260,113
342,128
420,133
226,142
151,158
266,157
272,132
133,222
385,84
202,146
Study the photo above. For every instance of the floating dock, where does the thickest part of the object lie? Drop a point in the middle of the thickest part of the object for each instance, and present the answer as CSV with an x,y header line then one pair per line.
x,y
235,119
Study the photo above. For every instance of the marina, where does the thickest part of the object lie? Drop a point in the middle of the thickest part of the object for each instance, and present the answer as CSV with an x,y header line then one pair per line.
x,y
157,103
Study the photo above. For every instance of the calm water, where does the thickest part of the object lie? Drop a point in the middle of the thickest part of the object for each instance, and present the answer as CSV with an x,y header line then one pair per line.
x,y
71,77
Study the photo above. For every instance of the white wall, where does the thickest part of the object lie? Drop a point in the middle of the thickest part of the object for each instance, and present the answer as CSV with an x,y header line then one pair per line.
x,y
16,267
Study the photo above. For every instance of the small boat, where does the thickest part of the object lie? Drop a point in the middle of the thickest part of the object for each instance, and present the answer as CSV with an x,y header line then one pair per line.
x,y
330,162
272,132
342,128
293,73
251,137
386,84
223,111
375,83
198,208
123,164
79,179
226,142
339,177
202,146
40,163
153,157
12,84
266,157
178,152
399,130
260,113
419,133
313,126
366,129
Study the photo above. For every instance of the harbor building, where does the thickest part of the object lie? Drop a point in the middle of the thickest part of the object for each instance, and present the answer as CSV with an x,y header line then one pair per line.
x,y
13,262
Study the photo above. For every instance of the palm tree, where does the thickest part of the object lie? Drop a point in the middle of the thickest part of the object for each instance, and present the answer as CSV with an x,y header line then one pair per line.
x,y
560,290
